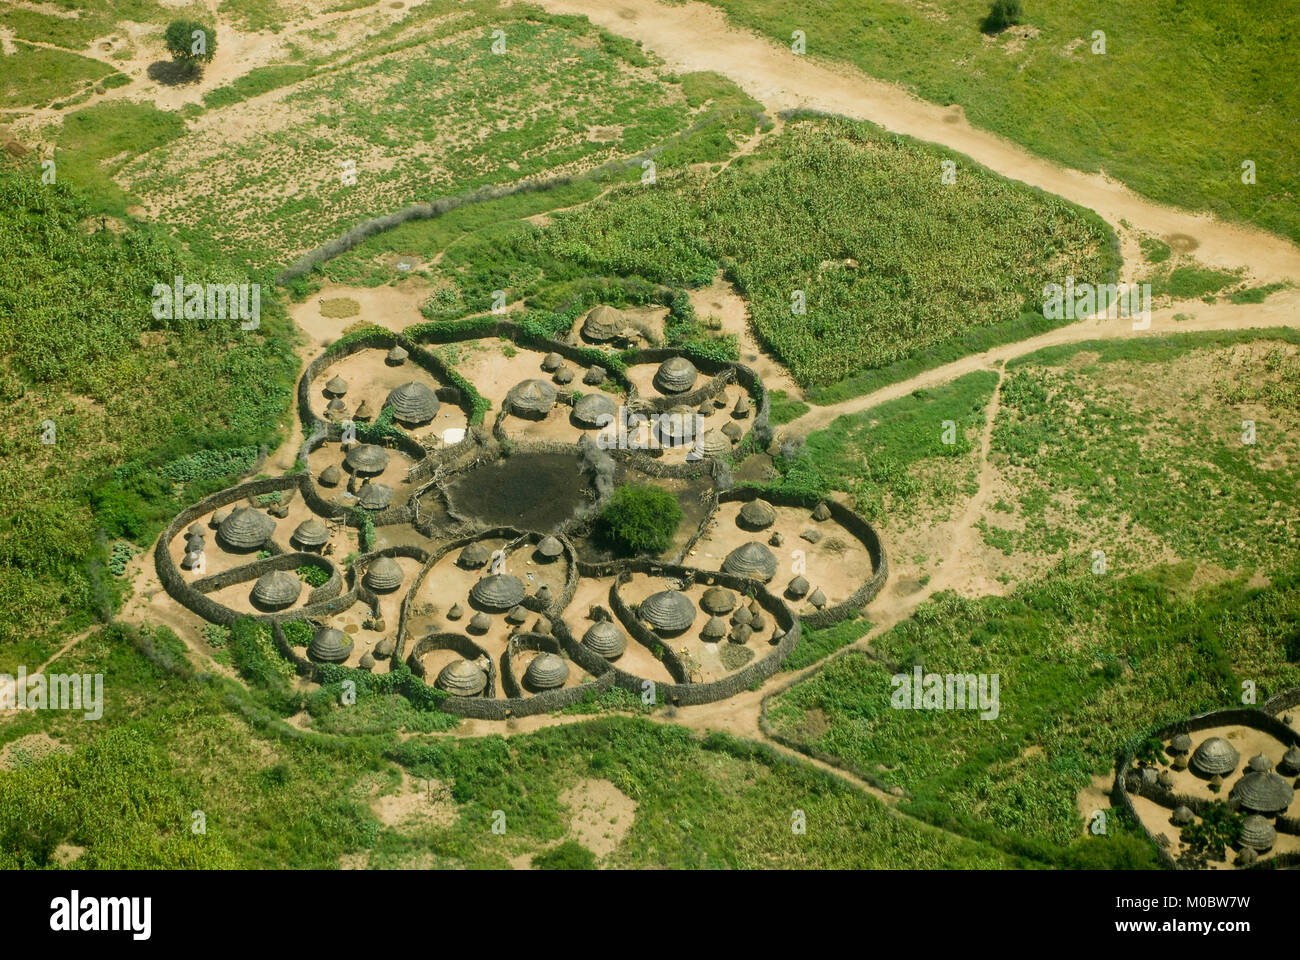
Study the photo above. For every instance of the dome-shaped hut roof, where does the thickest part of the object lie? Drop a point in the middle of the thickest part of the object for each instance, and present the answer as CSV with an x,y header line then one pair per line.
x,y
668,611
246,529
279,588
605,638
603,323
455,612
797,588
329,646
1290,764
742,615
367,661
331,475
818,599
552,362
1180,743
718,600
546,672
310,533
462,678
590,410
675,375
595,375
757,514
474,555
751,559
1181,816
550,547
386,647
480,623
1259,763
713,443
375,496
367,458
1215,756
516,614
1263,791
498,592
397,355
195,542
731,431
821,512
563,376
714,630
1257,833
336,386
336,408
413,402
531,399
384,574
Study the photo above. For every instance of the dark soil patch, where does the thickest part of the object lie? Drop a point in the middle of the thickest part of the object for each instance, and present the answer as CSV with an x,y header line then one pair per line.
x,y
527,491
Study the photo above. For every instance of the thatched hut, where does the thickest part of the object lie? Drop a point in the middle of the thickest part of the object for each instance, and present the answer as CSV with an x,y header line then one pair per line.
x,y
363,412
603,323
516,615
245,529
336,386
329,645
543,593
1181,743
1215,756
374,496
1263,791
717,601
1290,763
731,431
821,512
552,362
797,588
818,599
594,410
752,559
367,661
330,476
741,633
367,458
311,533
546,672
742,615
455,612
531,399
336,409
713,443
384,575
276,589
474,556
595,375
675,375
396,356
549,547
714,630
1257,833
498,592
605,638
743,408
480,623
462,678
563,376
386,647
757,514
668,611
412,403
1181,816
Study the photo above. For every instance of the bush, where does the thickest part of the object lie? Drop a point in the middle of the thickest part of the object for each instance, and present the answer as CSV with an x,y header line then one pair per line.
x,y
1003,14
570,855
181,42
640,519
313,576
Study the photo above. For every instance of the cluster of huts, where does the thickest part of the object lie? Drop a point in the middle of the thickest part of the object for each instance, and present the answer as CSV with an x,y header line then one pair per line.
x,y
413,403
756,560
670,613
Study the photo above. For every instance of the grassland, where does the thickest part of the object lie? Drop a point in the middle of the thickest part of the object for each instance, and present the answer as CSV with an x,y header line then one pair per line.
x,y
38,76
1153,111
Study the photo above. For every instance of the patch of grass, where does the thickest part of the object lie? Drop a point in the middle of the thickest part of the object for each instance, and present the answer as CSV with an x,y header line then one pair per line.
x,y
38,76
816,645
784,408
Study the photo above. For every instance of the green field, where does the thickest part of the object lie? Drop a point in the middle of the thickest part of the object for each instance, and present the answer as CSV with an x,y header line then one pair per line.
x,y
1152,111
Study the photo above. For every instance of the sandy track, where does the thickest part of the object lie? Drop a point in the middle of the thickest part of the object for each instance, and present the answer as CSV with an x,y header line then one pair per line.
x,y
695,36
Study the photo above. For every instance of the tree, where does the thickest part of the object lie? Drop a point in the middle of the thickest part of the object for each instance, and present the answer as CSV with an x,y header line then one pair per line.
x,y
640,519
1220,828
1003,14
190,42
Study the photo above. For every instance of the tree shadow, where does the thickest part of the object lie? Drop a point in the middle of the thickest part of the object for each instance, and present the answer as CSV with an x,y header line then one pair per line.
x,y
174,73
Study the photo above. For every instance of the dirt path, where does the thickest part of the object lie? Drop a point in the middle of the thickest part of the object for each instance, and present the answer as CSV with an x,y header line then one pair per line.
x,y
695,36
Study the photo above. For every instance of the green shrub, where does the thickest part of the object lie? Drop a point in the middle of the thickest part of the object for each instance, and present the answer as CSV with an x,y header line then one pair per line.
x,y
570,855
1003,14
640,519
312,575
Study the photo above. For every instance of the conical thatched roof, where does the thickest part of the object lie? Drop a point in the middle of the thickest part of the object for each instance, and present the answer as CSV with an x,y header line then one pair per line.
x,y
1257,833
531,399
331,475
367,661
498,592
336,386
413,402
462,678
552,362
1290,764
397,356
595,375
606,639
246,529
713,443
714,630
385,648
603,323
336,408
1181,816
821,512
675,375
668,611
1263,792
384,574
818,599
367,458
563,376
718,600
218,517
1180,743
731,431
329,646
550,547
743,407
279,588
456,612
311,533
474,555
546,672
797,588
590,410
742,616
758,514
1215,756
751,559
363,412
1259,764
375,496
480,623
741,633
